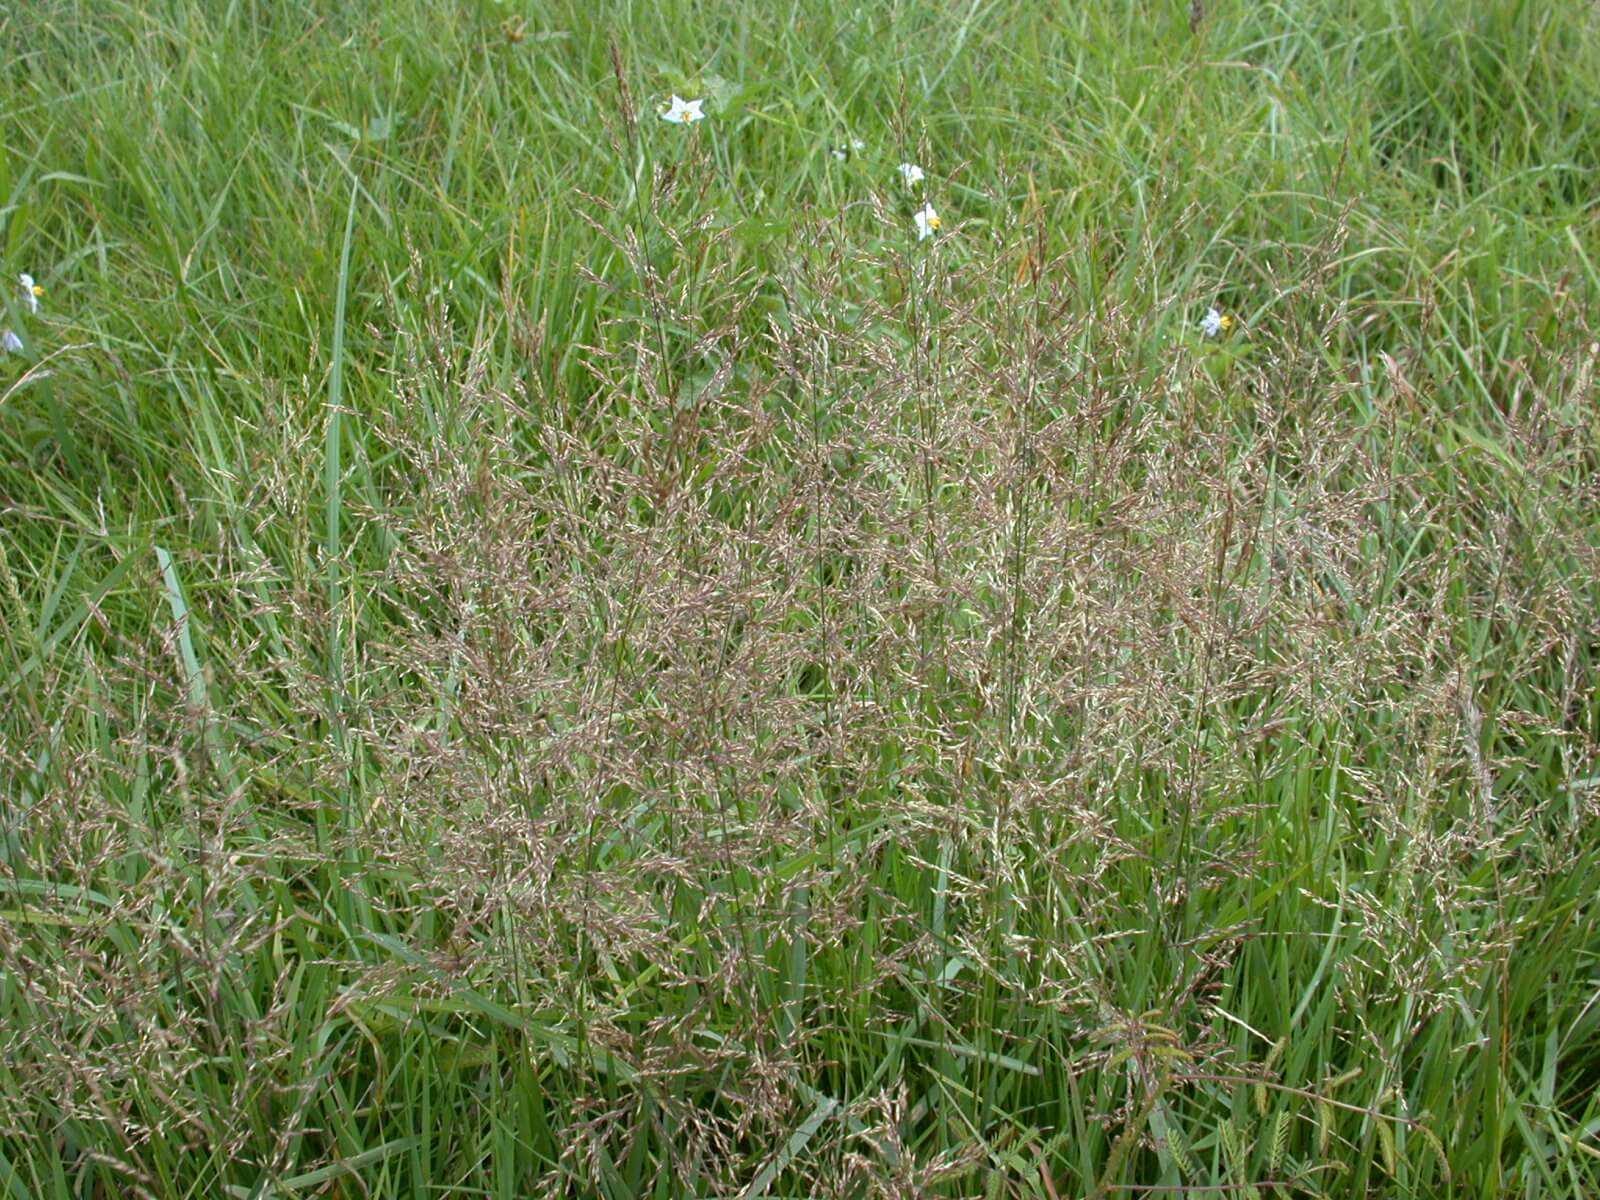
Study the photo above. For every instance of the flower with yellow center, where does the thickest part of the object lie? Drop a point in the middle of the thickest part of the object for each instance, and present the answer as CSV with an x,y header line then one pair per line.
x,y
682,112
1214,323
31,292
927,222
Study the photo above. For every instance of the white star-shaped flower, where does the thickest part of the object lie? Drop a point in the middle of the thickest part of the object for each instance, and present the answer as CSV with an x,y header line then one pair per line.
x,y
910,173
682,112
1214,323
927,222
31,292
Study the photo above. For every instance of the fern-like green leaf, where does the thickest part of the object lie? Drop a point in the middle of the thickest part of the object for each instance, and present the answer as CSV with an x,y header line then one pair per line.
x,y
1180,1152
1280,1141
1231,1148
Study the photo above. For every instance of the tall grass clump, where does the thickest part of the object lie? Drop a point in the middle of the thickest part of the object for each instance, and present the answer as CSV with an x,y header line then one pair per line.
x,y
551,652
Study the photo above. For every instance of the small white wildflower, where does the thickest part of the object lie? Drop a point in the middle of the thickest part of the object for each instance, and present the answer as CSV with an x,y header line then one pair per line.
x,y
10,343
1214,323
840,153
31,292
927,222
910,173
681,111
857,145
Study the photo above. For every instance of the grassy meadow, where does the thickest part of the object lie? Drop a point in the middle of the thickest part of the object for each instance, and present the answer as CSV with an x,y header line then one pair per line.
x,y
547,651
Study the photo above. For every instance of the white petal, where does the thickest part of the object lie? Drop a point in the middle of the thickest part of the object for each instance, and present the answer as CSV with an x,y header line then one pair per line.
x,y
10,343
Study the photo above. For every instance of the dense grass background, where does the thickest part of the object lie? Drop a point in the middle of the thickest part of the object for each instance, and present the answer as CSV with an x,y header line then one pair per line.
x,y
552,653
